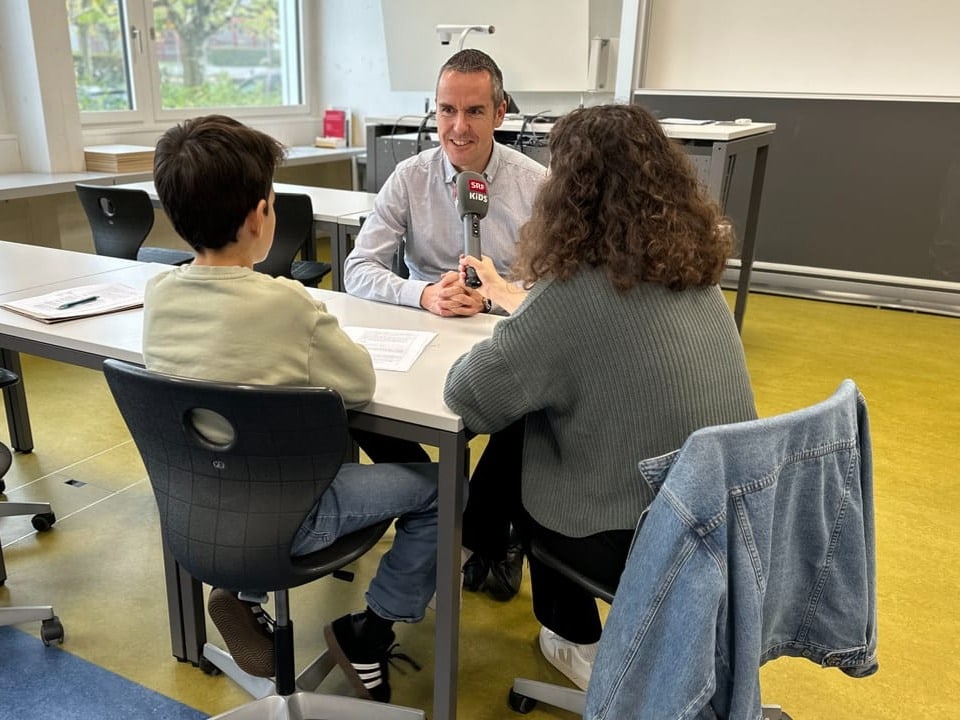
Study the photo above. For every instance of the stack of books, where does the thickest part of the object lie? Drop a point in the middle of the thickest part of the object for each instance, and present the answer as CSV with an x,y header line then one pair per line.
x,y
119,158
336,129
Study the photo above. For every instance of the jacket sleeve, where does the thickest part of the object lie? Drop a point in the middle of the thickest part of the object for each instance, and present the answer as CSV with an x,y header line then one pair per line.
x,y
658,648
368,269
337,361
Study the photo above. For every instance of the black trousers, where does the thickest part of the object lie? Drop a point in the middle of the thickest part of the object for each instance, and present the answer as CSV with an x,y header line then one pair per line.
x,y
560,604
493,504
385,449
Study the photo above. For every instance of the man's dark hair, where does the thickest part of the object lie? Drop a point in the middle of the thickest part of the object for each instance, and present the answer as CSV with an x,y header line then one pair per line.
x,y
210,172
472,61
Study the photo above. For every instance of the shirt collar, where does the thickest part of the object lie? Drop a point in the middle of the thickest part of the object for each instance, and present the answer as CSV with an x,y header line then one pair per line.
x,y
489,172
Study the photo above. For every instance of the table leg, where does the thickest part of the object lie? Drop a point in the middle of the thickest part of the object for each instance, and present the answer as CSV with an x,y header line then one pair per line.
x,y
750,235
188,630
15,402
452,451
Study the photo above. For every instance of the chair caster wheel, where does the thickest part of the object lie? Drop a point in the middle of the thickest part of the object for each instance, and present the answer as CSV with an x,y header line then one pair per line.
x,y
51,630
43,521
209,668
521,703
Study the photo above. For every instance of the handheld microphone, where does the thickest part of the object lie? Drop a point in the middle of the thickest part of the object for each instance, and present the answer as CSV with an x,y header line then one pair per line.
x,y
472,204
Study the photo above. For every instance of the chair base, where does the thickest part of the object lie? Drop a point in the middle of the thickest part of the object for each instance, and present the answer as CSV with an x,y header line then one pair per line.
x,y
304,704
50,630
525,695
311,706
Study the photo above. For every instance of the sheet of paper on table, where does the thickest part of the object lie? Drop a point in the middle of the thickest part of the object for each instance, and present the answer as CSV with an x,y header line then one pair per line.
x,y
77,302
394,350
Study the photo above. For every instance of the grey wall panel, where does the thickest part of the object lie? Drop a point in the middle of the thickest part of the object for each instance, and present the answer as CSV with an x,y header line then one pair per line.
x,y
857,185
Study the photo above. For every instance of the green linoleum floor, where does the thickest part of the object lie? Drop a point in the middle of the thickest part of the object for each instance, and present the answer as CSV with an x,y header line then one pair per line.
x,y
101,569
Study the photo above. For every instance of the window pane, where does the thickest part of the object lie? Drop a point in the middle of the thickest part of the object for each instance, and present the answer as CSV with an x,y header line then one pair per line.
x,y
228,53
99,48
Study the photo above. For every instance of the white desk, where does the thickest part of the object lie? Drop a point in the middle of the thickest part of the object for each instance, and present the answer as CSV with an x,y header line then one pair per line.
x,y
713,149
309,155
405,405
329,206
15,186
724,131
26,266
23,267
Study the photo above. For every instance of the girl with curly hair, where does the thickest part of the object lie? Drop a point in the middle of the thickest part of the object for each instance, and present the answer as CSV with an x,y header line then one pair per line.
x,y
620,344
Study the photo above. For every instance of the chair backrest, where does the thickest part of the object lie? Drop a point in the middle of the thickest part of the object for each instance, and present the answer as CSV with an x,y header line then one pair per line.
x,y
120,218
230,507
294,228
760,543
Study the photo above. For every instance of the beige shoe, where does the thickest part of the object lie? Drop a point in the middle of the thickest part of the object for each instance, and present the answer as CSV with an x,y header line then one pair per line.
x,y
246,629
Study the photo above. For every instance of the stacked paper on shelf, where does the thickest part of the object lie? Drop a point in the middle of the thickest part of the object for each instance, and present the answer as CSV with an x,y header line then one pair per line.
x,y
119,158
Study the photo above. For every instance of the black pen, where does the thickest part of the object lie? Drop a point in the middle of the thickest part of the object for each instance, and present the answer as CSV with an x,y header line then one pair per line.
x,y
74,303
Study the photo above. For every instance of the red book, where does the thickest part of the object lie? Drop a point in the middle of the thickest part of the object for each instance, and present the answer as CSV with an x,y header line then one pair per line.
x,y
335,124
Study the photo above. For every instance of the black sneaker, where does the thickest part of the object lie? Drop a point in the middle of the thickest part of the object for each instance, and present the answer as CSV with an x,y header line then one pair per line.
x,y
365,664
247,630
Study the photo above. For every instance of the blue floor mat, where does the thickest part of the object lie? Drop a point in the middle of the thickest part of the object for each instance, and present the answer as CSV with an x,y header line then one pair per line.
x,y
40,683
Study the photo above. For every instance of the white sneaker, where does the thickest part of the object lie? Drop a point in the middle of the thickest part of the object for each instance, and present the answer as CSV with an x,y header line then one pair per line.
x,y
574,661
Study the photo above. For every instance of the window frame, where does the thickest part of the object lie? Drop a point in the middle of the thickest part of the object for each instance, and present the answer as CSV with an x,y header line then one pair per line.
x,y
142,66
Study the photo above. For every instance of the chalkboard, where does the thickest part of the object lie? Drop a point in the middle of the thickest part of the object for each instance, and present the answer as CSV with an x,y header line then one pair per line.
x,y
867,186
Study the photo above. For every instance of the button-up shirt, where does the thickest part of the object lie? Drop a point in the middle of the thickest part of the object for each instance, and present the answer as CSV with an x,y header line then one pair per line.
x,y
417,206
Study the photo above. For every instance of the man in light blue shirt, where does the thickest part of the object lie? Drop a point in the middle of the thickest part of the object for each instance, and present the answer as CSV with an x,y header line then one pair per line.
x,y
417,206
417,203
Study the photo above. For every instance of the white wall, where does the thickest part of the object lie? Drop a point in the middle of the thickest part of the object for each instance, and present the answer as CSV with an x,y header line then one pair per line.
x,y
531,57
816,46
354,71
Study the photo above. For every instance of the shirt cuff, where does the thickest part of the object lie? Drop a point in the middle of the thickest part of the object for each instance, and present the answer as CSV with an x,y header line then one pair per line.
x,y
411,291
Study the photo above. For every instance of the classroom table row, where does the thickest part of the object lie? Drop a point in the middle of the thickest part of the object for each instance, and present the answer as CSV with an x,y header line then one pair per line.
x,y
337,213
406,405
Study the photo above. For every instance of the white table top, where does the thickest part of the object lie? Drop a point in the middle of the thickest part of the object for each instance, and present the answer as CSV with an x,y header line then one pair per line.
x,y
14,186
116,335
329,204
309,155
353,219
716,131
415,396
24,266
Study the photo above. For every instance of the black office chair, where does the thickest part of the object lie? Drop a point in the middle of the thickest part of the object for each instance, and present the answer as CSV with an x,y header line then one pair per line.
x,y
43,519
230,508
120,220
294,229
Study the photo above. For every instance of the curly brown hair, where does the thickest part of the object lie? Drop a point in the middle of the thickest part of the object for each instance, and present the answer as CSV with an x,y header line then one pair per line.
x,y
621,196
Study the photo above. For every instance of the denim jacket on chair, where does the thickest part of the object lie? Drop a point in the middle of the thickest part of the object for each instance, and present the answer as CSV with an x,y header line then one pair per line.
x,y
760,543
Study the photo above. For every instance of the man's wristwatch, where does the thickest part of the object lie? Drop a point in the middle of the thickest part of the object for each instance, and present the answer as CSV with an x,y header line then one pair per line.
x,y
487,305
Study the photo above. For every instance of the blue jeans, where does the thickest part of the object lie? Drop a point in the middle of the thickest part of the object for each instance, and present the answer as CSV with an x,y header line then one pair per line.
x,y
362,495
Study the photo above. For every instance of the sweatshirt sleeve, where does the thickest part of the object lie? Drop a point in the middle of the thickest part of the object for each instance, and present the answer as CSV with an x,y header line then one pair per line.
x,y
337,361
484,390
